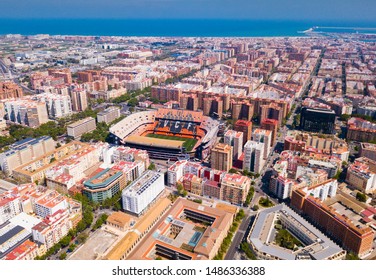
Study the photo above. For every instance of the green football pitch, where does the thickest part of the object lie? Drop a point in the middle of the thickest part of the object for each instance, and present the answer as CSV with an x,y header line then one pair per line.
x,y
189,143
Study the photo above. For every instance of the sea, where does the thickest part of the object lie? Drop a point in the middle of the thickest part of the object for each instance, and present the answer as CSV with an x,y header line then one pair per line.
x,y
177,27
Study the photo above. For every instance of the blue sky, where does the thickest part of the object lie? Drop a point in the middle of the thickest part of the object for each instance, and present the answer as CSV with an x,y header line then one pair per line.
x,y
343,10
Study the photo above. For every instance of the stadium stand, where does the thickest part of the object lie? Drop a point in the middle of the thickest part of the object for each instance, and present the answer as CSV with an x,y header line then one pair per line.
x,y
169,122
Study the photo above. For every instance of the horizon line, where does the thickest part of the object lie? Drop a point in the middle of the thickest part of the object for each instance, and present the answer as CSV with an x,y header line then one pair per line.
x,y
224,19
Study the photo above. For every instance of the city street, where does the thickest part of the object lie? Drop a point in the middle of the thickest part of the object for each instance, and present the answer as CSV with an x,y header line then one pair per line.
x,y
238,238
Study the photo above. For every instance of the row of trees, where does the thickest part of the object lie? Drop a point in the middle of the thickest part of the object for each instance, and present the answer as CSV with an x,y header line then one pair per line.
x,y
250,174
65,242
152,166
291,111
112,203
249,197
347,117
78,116
130,97
227,241
101,220
87,212
248,252
51,128
100,134
179,78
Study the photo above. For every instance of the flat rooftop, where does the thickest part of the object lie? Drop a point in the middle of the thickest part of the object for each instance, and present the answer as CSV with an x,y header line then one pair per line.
x,y
103,178
201,240
77,123
320,247
142,183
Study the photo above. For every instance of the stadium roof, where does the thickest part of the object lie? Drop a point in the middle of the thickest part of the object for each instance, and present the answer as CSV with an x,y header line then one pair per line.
x,y
148,141
182,115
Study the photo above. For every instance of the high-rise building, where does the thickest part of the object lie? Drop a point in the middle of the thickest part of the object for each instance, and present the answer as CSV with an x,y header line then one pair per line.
x,y
221,157
26,112
270,124
254,156
303,141
85,76
263,136
213,106
35,170
317,120
281,186
271,111
212,189
143,191
242,110
235,188
10,206
361,130
246,128
166,93
235,139
57,105
79,100
189,102
50,203
52,229
80,127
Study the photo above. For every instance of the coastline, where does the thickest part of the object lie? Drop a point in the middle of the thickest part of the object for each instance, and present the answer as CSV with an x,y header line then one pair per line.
x,y
163,28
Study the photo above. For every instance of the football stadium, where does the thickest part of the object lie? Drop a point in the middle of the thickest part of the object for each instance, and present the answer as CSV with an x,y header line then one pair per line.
x,y
168,133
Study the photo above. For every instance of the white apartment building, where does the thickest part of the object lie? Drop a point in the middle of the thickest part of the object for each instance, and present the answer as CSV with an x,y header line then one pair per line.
x,y
26,112
176,172
57,105
254,156
52,229
10,206
50,203
138,195
131,170
235,139
323,190
263,136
